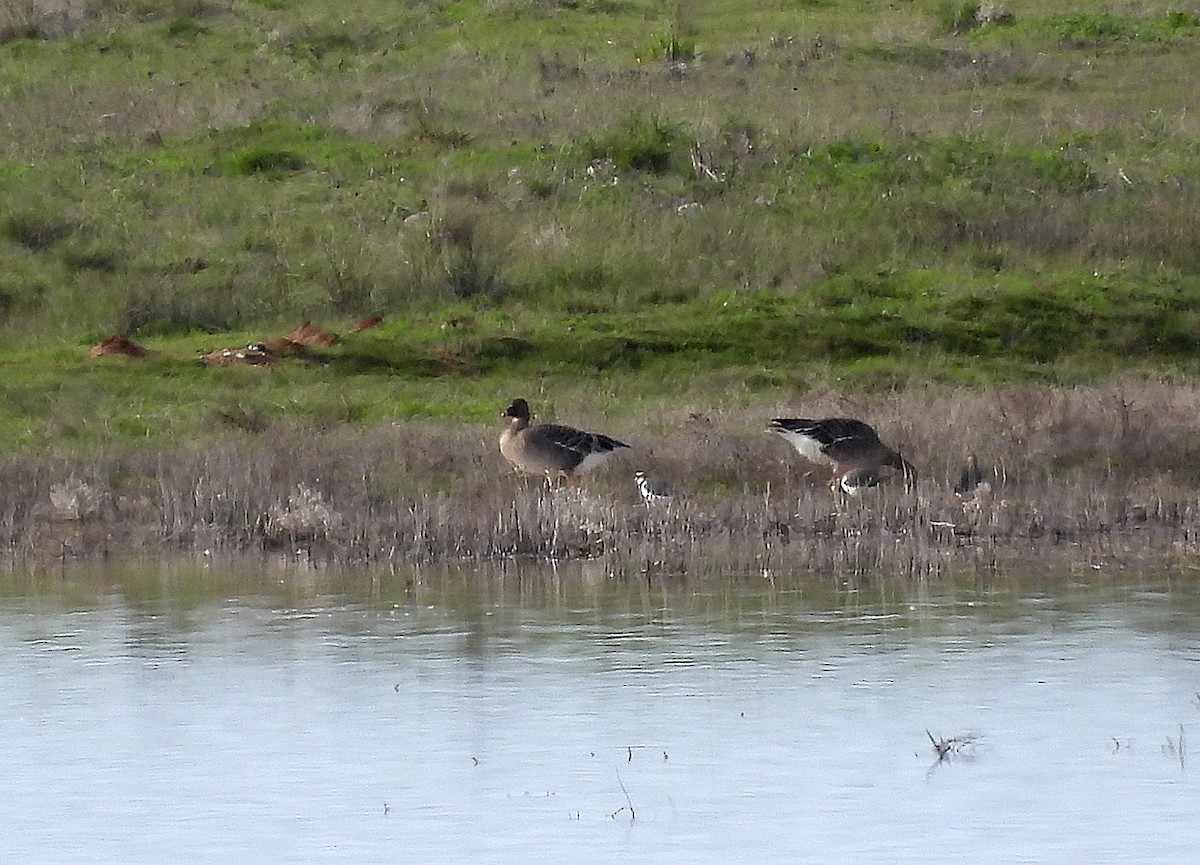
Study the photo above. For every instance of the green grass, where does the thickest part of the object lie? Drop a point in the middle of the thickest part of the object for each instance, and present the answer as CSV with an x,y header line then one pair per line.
x,y
887,332
644,199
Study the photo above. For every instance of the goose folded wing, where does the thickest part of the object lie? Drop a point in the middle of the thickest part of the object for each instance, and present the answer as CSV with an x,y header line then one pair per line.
x,y
848,448
836,437
575,444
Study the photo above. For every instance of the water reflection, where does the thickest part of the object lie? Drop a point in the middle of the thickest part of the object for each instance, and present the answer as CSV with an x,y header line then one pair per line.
x,y
211,712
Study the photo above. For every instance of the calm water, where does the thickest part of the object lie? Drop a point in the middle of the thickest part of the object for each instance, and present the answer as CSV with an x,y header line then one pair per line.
x,y
229,715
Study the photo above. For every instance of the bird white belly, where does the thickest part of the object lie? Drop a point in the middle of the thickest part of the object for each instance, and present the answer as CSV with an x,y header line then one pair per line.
x,y
592,460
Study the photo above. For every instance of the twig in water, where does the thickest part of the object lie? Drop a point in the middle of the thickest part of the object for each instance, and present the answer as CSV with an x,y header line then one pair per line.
x,y
628,801
961,745
1177,748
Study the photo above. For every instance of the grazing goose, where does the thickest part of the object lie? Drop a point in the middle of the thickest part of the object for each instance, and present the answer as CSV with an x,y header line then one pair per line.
x,y
973,481
843,444
550,449
652,489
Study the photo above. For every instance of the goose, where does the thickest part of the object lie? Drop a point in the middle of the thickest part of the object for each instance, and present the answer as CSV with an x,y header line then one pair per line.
x,y
844,444
551,449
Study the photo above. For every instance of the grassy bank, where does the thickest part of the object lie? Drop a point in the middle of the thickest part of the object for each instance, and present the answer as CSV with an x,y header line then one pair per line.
x,y
629,212
1090,476
796,193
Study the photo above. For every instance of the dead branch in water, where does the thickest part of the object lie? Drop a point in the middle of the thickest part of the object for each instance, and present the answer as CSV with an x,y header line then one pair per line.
x,y
628,801
962,745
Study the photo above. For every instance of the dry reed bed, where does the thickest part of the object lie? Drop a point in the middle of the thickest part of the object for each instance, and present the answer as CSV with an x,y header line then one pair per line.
x,y
1089,476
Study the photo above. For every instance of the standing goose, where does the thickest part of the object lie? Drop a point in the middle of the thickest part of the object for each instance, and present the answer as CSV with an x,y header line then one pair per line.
x,y
844,444
550,449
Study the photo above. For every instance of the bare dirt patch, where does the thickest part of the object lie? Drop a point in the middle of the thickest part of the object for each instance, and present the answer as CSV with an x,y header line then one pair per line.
x,y
119,346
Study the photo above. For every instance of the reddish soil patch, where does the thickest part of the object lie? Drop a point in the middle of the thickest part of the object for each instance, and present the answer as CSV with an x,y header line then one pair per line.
x,y
371,321
314,335
119,345
287,347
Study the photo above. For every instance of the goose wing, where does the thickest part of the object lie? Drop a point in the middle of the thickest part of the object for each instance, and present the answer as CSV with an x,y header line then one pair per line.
x,y
833,440
570,447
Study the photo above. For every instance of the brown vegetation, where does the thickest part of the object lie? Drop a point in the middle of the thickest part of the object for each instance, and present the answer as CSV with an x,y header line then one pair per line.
x,y
1092,477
